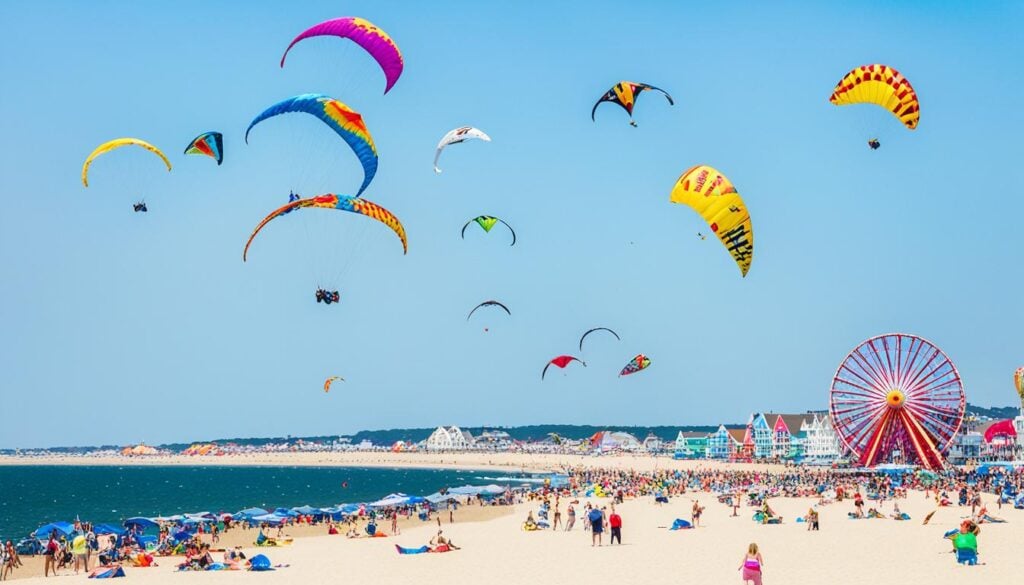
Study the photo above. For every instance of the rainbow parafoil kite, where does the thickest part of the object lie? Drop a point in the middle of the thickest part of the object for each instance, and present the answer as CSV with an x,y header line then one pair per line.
x,y
210,144
491,303
881,85
560,362
115,144
342,203
457,136
640,362
329,381
1018,382
625,94
589,331
486,222
712,195
364,33
345,121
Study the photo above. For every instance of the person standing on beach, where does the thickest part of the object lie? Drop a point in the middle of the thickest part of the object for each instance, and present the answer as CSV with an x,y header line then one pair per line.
x,y
51,555
615,523
571,513
752,565
79,548
596,519
695,513
557,517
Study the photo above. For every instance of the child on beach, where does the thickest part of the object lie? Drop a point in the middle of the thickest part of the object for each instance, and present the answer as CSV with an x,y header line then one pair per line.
x,y
752,565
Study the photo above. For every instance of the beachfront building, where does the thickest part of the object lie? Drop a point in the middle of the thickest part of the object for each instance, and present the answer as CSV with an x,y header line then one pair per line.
x,y
495,440
450,439
820,440
788,436
691,445
720,444
761,436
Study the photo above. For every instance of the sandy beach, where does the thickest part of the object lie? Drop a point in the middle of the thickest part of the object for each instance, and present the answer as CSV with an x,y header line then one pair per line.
x,y
494,546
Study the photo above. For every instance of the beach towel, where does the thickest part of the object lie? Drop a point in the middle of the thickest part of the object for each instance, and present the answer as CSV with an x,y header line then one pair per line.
x,y
107,572
412,551
902,516
800,520
260,563
680,524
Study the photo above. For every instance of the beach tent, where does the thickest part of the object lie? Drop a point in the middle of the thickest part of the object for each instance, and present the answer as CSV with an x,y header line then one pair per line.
x,y
308,511
391,500
680,524
260,563
62,528
140,523
285,512
413,500
201,516
251,512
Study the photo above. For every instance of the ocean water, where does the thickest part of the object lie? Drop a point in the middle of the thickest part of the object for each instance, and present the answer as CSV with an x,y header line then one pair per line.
x,y
34,495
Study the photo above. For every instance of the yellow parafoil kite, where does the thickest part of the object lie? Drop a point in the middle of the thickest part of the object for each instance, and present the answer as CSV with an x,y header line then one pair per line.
x,y
331,380
118,143
713,196
1018,382
882,85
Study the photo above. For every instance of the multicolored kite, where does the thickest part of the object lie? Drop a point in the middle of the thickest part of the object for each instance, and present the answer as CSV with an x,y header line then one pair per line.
x,y
881,85
210,144
712,195
364,33
589,331
347,122
458,136
491,303
640,362
331,380
625,94
115,144
487,222
342,203
560,362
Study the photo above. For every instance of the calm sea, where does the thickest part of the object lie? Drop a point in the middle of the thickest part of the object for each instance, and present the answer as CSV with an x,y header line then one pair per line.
x,y
34,495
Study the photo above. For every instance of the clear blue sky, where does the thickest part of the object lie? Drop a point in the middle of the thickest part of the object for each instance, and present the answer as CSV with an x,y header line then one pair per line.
x,y
117,327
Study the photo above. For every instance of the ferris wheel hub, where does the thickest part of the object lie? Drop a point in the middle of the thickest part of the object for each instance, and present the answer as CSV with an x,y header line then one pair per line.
x,y
895,398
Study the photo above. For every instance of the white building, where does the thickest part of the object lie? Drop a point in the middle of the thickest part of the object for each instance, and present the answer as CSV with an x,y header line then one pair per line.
x,y
652,444
450,439
820,438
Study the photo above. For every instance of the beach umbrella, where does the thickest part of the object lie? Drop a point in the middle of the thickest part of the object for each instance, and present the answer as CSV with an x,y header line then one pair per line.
x,y
391,500
62,528
252,512
307,510
100,529
285,512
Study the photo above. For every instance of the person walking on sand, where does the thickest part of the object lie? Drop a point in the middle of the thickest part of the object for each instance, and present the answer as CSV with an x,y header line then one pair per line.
x,y
51,555
557,517
695,513
596,519
615,523
752,565
571,514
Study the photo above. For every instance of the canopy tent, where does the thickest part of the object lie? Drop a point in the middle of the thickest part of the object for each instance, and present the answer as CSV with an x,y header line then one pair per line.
x,y
438,497
285,512
308,510
251,513
62,528
140,523
101,529
269,519
391,500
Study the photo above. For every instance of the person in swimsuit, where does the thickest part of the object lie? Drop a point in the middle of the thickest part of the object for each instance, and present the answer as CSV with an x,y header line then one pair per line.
x,y
596,519
752,565
571,514
51,555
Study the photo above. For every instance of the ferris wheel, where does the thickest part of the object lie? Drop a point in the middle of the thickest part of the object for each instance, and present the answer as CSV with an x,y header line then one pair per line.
x,y
897,398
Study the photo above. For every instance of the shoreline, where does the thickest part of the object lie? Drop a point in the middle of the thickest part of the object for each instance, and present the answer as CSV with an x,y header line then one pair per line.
x,y
535,463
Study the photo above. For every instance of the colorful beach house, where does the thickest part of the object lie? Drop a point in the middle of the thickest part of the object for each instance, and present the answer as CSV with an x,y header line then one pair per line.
x,y
721,444
691,445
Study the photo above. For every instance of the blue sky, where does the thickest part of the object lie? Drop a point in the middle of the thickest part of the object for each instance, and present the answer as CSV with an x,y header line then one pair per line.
x,y
119,327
